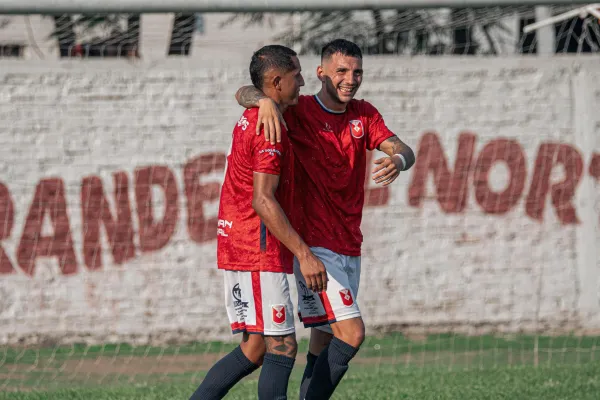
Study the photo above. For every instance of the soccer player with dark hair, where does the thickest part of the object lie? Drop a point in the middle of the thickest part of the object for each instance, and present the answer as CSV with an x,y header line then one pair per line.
x,y
256,244
330,134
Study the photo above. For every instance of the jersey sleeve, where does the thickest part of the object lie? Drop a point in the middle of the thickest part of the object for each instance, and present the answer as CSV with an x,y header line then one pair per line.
x,y
266,157
377,131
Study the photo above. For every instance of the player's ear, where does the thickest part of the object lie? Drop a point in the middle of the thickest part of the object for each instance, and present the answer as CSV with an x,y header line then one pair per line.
x,y
277,82
320,73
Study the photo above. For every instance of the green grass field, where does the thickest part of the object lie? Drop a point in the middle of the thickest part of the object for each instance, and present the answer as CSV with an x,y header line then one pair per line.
x,y
390,367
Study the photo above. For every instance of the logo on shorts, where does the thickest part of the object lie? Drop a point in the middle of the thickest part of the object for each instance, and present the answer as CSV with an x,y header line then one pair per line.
x,y
278,314
307,294
346,297
356,128
308,305
236,292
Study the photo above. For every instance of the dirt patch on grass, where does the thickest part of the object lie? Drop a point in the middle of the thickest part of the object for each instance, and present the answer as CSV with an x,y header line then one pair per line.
x,y
186,363
171,364
184,366
5,376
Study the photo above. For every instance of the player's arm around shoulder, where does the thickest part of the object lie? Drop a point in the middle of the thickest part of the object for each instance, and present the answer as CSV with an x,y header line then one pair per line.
x,y
400,156
269,118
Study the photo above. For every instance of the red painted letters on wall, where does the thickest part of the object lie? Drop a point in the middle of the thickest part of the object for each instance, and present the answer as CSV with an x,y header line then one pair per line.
x,y
452,187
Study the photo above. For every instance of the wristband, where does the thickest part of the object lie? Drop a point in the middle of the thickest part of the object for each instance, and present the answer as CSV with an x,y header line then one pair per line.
x,y
403,160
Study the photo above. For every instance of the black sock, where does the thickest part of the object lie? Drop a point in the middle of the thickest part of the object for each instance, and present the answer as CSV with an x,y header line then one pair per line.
x,y
228,371
311,359
329,369
274,377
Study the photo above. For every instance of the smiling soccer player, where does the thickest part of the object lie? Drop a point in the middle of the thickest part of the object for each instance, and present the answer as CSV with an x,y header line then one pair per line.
x,y
330,134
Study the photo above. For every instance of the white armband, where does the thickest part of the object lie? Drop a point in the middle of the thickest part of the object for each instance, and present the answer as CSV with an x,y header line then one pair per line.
x,y
403,160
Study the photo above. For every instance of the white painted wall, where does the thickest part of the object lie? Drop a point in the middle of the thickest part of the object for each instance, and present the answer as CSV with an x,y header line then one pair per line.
x,y
422,267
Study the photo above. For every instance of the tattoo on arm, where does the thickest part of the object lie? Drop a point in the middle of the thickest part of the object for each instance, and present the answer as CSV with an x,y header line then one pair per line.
x,y
248,96
282,345
394,145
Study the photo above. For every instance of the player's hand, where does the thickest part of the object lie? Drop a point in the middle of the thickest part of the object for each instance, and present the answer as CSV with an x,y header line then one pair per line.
x,y
314,273
270,117
387,170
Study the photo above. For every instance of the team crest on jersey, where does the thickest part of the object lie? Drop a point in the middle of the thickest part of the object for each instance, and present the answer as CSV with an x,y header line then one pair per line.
x,y
278,314
346,296
356,128
243,122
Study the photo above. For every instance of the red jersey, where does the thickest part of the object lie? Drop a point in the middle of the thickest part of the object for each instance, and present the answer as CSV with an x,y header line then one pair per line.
x,y
330,153
243,241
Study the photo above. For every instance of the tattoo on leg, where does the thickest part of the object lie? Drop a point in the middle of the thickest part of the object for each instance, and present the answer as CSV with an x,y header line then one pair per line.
x,y
282,345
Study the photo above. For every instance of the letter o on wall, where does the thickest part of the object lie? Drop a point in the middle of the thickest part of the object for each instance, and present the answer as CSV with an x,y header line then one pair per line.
x,y
511,153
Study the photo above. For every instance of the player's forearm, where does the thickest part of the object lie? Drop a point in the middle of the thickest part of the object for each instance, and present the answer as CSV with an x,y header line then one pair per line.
x,y
271,214
394,145
249,96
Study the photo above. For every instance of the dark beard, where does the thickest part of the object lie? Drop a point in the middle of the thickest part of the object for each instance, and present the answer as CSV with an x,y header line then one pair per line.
x,y
332,91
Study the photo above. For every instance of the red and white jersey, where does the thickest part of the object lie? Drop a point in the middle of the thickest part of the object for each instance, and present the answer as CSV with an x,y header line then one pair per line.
x,y
243,241
330,165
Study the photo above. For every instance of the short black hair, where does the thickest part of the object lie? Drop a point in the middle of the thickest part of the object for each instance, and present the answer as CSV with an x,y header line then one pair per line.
x,y
342,46
268,57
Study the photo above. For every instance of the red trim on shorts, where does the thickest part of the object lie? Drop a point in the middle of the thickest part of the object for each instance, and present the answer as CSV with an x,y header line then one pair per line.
x,y
327,305
238,327
314,320
257,293
317,324
242,327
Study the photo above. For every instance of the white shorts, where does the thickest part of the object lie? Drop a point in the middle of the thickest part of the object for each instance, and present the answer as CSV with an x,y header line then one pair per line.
x,y
259,302
339,301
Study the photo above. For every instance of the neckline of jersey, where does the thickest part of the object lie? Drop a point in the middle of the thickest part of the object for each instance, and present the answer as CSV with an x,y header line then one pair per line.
x,y
325,108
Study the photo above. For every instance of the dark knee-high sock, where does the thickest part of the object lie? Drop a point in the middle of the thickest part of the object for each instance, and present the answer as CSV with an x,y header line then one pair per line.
x,y
329,369
274,377
228,371
311,359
